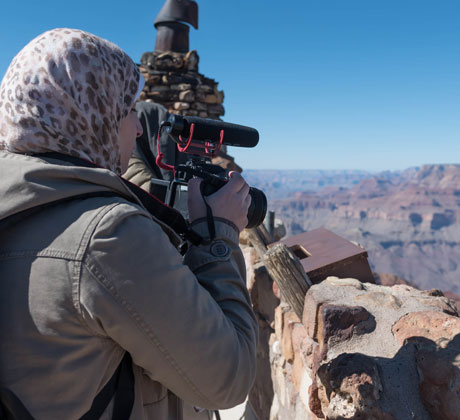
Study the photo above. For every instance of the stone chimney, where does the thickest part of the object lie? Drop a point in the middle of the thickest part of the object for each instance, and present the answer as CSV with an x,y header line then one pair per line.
x,y
171,71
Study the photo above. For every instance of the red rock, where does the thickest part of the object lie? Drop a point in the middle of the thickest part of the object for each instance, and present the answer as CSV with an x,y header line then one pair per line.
x,y
289,320
339,322
429,324
303,345
350,387
310,314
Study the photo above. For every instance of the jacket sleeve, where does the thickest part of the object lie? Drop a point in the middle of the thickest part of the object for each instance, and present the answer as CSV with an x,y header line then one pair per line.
x,y
189,326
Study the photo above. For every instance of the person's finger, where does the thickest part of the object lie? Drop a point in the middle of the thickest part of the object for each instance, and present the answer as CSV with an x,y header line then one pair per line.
x,y
244,191
236,182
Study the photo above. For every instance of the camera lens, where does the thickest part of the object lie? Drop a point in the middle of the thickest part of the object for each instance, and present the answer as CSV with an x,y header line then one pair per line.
x,y
258,208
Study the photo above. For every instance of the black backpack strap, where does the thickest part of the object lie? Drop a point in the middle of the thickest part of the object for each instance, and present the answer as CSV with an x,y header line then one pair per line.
x,y
121,385
11,407
169,216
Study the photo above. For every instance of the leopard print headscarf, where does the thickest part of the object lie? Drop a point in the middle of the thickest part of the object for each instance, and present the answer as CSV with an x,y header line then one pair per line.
x,y
67,91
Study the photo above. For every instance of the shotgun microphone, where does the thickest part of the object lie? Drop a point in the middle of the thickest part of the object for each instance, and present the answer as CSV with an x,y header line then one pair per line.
x,y
206,129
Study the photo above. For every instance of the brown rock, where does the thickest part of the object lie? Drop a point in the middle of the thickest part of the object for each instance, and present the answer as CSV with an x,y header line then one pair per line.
x,y
169,61
290,319
199,106
204,88
153,79
299,338
349,388
216,109
429,324
181,86
180,106
440,378
279,322
210,99
187,96
310,314
191,61
303,345
340,322
203,114
314,402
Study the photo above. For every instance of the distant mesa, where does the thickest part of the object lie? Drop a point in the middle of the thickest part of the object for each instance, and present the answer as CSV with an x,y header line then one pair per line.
x,y
408,221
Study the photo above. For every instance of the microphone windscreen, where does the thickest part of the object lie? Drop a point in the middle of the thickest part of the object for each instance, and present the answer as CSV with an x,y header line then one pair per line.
x,y
208,129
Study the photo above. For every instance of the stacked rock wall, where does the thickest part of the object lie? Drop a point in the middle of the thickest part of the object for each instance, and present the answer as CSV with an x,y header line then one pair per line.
x,y
364,351
172,79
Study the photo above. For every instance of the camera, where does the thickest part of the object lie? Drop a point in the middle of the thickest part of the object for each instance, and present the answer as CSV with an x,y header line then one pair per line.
x,y
204,140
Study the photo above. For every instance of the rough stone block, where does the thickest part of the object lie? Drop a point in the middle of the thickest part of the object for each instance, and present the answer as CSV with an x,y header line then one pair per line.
x,y
204,88
180,106
210,99
303,345
439,366
216,109
169,61
181,86
310,313
290,319
279,323
187,96
199,106
429,324
339,322
350,388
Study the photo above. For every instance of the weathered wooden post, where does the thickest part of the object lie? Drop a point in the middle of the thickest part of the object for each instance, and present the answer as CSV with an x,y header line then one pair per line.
x,y
287,271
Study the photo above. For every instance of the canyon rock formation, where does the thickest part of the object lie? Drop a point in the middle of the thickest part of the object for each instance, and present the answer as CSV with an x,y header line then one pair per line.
x,y
409,222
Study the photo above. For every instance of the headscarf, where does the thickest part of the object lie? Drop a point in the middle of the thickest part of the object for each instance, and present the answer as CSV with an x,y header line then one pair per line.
x,y
67,91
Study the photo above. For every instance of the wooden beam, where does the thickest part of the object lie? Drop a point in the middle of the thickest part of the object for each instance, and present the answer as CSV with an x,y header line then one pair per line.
x,y
287,271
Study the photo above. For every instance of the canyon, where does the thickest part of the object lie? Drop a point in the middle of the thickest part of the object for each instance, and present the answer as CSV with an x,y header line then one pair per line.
x,y
408,221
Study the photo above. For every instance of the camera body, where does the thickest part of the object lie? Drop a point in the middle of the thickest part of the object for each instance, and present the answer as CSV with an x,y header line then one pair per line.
x,y
199,163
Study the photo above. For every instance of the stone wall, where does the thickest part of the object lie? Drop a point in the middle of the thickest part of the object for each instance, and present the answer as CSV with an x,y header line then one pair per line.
x,y
172,79
360,351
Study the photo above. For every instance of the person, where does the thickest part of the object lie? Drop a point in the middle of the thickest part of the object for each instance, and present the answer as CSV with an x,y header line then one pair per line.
x,y
142,166
88,275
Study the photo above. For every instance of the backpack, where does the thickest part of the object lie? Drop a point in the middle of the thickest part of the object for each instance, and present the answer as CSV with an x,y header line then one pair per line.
x,y
120,387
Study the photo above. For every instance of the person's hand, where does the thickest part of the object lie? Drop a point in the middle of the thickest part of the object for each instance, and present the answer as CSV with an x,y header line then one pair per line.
x,y
230,202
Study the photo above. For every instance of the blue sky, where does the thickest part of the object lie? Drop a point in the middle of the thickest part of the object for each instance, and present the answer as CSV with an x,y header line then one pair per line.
x,y
329,84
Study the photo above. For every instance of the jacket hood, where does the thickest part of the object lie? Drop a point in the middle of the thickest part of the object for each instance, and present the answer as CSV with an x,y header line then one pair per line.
x,y
27,182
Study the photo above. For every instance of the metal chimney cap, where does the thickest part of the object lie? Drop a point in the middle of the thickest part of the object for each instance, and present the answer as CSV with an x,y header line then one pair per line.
x,y
180,11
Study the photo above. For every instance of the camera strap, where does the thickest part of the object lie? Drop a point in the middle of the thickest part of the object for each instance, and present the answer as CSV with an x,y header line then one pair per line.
x,y
165,214
209,215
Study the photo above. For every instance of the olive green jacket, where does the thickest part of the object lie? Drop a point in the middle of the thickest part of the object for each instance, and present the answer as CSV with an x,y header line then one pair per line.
x,y
85,280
